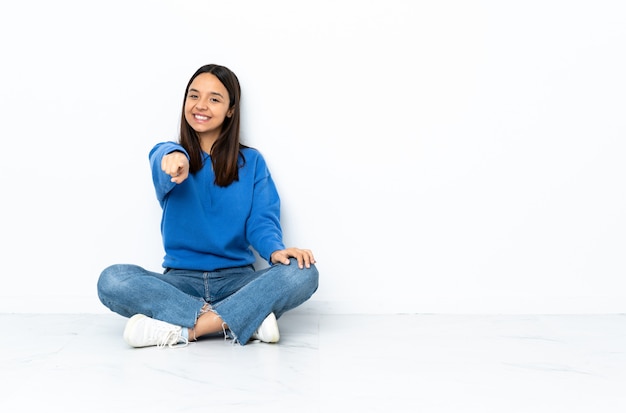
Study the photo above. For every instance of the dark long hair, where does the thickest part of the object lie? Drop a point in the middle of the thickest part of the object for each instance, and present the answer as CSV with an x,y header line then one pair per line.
x,y
226,150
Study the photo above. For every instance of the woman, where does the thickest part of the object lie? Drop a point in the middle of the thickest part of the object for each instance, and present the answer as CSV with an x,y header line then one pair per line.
x,y
218,200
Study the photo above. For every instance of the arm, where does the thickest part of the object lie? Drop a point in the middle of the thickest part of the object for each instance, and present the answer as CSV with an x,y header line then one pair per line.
x,y
263,227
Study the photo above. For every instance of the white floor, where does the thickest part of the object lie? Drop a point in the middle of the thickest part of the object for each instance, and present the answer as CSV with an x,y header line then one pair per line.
x,y
324,363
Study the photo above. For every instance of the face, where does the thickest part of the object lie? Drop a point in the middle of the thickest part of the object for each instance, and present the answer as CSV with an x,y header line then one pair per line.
x,y
207,105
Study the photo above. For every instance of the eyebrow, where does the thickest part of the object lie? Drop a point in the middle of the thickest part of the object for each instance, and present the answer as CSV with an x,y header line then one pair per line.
x,y
211,93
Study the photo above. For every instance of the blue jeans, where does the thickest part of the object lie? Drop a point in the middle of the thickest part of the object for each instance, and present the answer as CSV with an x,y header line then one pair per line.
x,y
242,296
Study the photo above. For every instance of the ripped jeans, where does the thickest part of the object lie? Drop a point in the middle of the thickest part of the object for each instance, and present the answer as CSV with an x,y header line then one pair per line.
x,y
241,296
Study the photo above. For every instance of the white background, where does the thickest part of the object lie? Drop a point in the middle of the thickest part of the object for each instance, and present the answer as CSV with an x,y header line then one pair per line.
x,y
437,156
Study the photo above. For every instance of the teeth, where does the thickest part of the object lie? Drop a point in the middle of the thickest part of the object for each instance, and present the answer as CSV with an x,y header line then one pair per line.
x,y
201,117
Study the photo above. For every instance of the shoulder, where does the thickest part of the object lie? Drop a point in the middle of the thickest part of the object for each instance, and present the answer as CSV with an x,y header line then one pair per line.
x,y
254,163
252,155
250,152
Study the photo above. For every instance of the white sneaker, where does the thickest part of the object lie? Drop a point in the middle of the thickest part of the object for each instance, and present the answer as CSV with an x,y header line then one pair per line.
x,y
268,330
143,331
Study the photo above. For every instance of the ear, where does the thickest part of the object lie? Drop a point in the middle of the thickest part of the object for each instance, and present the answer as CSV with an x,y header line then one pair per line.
x,y
230,112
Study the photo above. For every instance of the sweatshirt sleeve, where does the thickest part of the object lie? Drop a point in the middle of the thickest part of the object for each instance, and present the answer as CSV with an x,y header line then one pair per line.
x,y
263,228
162,181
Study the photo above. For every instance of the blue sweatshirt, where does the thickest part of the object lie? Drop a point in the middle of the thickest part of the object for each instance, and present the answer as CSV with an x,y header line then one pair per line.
x,y
207,227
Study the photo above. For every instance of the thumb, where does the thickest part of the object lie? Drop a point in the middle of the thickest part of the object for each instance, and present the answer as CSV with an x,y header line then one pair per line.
x,y
282,258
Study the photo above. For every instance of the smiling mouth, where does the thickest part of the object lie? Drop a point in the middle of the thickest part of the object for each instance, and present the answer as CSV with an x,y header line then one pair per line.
x,y
200,117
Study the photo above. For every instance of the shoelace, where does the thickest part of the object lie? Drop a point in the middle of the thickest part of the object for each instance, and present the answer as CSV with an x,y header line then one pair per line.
x,y
171,339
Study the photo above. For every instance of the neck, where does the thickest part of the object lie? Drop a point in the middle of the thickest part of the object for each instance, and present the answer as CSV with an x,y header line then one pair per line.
x,y
207,141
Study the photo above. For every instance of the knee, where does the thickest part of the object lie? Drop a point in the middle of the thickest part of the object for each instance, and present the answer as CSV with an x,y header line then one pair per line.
x,y
313,276
308,278
112,278
107,280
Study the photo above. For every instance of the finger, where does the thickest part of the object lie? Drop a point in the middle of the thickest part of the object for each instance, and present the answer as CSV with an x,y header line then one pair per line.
x,y
301,261
282,257
311,257
180,177
174,164
307,257
169,168
175,169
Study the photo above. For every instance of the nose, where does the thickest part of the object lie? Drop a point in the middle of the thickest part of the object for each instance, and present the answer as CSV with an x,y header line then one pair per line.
x,y
201,104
